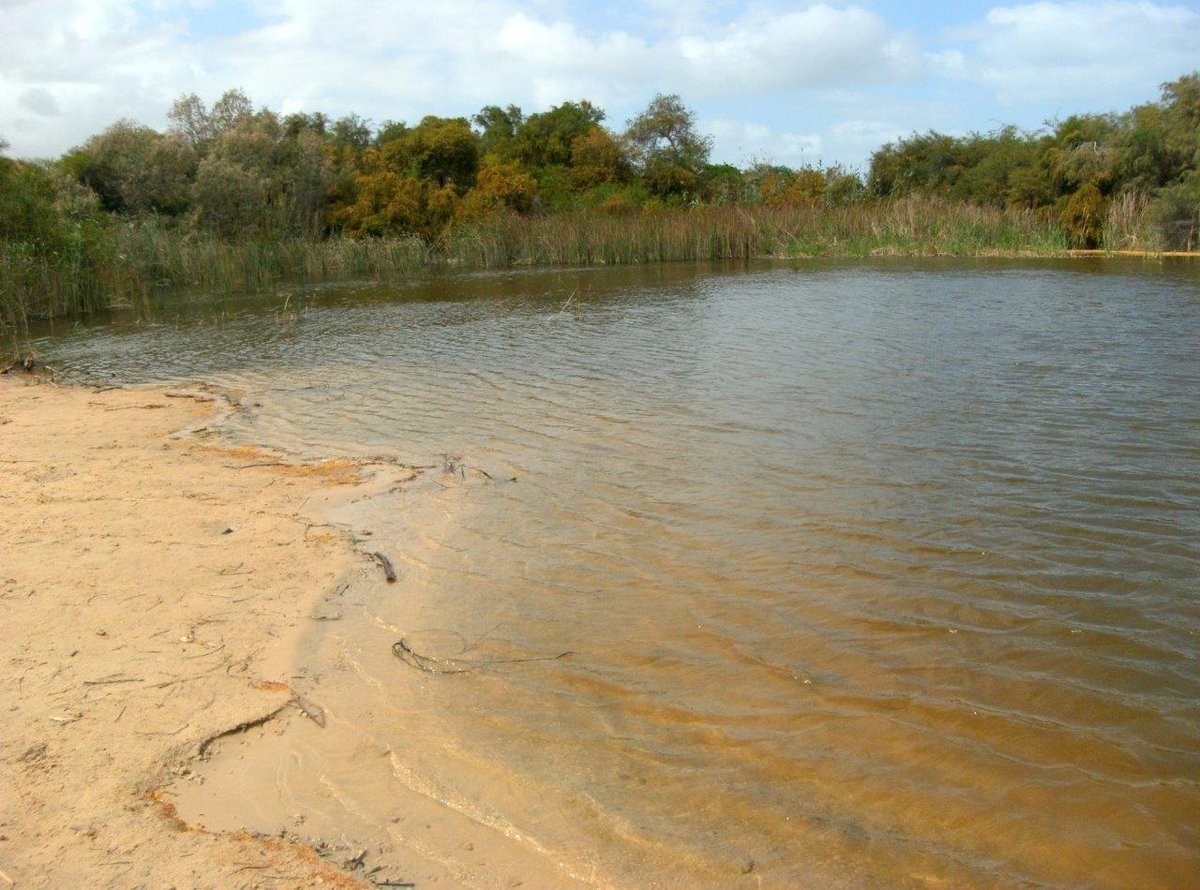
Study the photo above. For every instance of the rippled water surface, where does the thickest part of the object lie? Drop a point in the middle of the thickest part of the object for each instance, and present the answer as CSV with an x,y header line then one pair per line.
x,y
878,575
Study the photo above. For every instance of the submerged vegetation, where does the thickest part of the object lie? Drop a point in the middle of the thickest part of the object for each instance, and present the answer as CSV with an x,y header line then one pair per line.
x,y
236,199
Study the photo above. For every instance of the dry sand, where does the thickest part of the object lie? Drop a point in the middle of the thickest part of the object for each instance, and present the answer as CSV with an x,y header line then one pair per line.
x,y
152,589
148,588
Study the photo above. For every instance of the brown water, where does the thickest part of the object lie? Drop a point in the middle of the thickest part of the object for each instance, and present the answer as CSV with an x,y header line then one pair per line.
x,y
869,575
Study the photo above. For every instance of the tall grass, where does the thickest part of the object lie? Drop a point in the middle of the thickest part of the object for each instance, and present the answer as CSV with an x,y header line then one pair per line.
x,y
1129,224
911,226
158,261
137,264
140,263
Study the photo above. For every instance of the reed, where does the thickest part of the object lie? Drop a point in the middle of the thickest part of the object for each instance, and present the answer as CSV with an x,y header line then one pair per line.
x,y
140,264
912,226
1129,225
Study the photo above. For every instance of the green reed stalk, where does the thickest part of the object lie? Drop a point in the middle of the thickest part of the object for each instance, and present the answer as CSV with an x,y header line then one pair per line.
x,y
140,263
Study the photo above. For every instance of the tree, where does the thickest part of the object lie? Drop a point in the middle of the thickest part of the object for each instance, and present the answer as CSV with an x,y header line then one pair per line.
x,y
390,131
545,139
135,170
599,157
352,132
317,122
1176,213
499,126
501,185
1082,215
668,128
199,126
670,151
388,202
257,179
441,149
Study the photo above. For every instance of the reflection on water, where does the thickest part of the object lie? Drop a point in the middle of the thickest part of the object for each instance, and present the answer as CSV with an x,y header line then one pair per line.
x,y
880,574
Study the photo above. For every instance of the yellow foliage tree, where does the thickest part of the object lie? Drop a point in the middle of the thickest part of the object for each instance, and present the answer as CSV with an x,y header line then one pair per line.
x,y
598,157
390,203
500,185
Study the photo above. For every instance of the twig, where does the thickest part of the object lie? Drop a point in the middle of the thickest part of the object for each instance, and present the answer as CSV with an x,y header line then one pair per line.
x,y
203,654
112,680
172,732
180,680
433,665
388,571
312,711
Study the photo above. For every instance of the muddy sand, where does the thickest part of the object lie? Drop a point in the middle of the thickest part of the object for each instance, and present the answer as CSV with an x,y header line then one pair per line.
x,y
154,591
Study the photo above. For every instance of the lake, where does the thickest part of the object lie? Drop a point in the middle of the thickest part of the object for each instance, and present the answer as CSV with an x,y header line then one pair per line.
x,y
869,574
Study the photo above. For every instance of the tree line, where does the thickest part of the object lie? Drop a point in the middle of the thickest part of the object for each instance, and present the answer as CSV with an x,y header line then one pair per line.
x,y
235,172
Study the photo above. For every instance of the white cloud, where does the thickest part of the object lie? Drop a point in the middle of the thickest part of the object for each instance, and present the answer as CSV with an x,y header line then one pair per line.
x,y
803,69
743,144
1111,52
40,102
98,60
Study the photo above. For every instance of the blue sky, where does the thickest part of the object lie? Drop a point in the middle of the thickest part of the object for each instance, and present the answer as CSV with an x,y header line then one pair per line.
x,y
785,82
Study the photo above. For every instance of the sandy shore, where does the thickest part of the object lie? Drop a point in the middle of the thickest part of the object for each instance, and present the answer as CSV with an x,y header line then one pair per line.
x,y
150,589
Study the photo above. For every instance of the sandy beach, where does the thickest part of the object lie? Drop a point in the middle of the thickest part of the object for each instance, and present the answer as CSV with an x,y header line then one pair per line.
x,y
156,590
152,591
149,588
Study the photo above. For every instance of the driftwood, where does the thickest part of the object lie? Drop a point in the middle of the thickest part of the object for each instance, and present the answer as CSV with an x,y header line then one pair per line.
x,y
431,664
27,363
388,571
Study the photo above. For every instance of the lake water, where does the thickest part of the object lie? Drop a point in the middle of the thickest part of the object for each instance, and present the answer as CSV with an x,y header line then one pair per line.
x,y
869,575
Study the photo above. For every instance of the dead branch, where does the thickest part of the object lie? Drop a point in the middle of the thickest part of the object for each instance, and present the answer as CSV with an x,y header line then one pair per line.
x,y
388,571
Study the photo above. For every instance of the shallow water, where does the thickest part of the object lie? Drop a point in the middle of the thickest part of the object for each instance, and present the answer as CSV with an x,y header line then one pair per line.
x,y
869,574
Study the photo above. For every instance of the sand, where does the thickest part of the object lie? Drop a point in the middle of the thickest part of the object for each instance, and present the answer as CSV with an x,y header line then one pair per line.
x,y
152,589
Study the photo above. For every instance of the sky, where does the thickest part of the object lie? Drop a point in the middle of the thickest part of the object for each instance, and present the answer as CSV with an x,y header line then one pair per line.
x,y
786,83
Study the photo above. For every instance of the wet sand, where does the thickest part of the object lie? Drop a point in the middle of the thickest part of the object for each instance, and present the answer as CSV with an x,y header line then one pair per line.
x,y
154,589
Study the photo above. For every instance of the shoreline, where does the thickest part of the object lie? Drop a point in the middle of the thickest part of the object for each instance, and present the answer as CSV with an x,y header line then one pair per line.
x,y
163,597
153,592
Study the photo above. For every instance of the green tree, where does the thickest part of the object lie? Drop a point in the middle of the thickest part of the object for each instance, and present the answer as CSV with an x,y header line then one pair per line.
x,y
546,139
317,122
443,150
258,180
27,205
135,170
670,151
498,128
390,131
351,132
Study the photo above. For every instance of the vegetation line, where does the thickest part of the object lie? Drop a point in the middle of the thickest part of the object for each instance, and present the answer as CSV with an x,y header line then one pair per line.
x,y
235,199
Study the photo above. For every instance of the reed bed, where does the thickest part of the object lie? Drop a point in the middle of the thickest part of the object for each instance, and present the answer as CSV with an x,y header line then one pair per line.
x,y
1129,225
138,265
905,227
141,263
